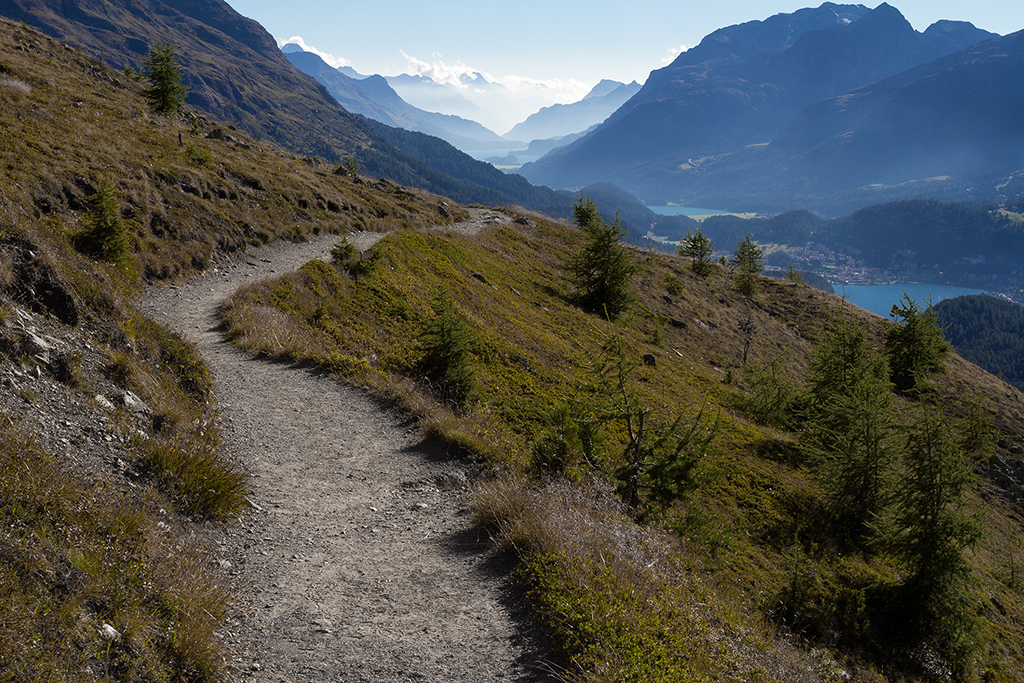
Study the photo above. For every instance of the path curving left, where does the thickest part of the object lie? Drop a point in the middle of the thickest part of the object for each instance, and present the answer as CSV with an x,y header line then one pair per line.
x,y
356,562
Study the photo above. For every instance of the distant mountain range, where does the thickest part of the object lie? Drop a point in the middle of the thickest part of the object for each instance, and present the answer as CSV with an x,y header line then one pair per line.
x,y
475,97
725,121
237,73
560,120
830,108
374,98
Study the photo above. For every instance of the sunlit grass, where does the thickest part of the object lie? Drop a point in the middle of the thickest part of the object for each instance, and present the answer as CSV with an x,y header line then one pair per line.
x,y
750,542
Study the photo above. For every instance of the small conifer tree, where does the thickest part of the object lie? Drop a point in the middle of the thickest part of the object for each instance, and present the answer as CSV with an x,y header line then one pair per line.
x,y
749,262
698,248
447,341
165,92
914,344
928,526
850,434
105,236
603,268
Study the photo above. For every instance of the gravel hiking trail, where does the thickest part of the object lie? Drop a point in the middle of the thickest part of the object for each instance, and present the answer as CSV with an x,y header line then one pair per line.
x,y
356,561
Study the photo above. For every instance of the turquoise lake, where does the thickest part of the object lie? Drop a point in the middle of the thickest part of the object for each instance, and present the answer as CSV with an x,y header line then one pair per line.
x,y
880,298
685,211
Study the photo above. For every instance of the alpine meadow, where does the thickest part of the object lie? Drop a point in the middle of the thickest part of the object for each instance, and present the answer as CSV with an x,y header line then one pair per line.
x,y
653,450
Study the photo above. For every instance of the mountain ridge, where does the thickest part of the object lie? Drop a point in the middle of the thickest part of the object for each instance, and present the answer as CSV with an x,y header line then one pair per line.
x,y
240,76
559,120
741,86
373,97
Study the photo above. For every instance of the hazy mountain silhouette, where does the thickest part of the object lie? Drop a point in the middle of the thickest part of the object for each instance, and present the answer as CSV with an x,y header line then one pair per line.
x,y
374,98
740,87
560,120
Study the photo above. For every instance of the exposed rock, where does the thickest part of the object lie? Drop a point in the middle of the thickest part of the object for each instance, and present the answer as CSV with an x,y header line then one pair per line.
x,y
448,481
108,632
650,360
133,403
37,284
35,347
221,134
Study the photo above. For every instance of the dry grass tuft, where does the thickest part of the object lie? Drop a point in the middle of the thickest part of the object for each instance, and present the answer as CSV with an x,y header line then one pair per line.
x,y
14,88
79,558
6,269
200,477
267,332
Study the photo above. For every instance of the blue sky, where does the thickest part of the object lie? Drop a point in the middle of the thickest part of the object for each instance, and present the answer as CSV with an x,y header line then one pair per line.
x,y
565,46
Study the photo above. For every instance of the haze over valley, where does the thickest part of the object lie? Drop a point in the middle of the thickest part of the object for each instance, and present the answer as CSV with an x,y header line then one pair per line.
x,y
828,109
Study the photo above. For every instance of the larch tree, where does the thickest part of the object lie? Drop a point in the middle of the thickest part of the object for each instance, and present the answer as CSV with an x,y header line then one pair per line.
x,y
749,263
603,269
165,92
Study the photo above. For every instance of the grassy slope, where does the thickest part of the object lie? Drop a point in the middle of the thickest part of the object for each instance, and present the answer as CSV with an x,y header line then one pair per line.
x,y
748,539
66,117
237,72
106,547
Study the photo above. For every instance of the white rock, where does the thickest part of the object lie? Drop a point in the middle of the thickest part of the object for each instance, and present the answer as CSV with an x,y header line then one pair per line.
x,y
103,402
108,632
134,403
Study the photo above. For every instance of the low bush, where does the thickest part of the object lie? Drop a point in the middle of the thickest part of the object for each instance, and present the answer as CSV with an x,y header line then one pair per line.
x,y
105,236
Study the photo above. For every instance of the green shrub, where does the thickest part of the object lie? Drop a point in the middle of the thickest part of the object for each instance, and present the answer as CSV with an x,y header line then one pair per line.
x,y
572,446
658,461
105,236
615,628
774,400
672,285
198,155
343,252
446,342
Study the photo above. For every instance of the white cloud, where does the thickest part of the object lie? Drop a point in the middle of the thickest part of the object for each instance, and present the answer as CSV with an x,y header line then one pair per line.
x,y
327,57
439,72
673,52
554,90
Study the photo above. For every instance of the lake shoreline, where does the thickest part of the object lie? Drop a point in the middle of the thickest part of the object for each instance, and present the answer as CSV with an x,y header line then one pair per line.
x,y
880,298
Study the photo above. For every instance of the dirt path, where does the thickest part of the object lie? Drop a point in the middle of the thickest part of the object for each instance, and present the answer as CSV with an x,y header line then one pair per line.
x,y
356,562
